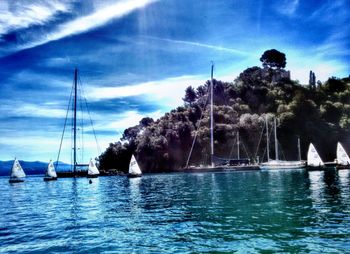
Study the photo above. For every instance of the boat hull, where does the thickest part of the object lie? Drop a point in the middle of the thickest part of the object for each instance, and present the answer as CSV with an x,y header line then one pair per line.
x,y
92,176
320,168
223,168
134,175
339,166
16,180
277,165
50,179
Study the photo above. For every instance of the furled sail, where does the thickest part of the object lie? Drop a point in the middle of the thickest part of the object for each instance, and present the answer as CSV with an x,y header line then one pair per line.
x,y
313,159
17,170
342,156
51,172
92,168
134,168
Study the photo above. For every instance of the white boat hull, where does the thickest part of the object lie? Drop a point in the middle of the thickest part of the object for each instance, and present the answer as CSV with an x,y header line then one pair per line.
x,y
275,165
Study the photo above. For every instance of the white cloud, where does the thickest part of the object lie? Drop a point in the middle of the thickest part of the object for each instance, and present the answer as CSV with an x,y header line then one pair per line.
x,y
169,91
22,14
131,118
202,45
31,110
91,21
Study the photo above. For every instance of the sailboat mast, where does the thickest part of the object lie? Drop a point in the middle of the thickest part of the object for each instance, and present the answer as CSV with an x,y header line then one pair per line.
x,y
238,156
267,139
211,118
75,120
276,142
299,152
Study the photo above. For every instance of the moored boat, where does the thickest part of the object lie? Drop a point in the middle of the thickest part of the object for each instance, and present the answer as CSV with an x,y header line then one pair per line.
x,y
277,163
314,161
92,170
134,169
50,172
343,160
17,173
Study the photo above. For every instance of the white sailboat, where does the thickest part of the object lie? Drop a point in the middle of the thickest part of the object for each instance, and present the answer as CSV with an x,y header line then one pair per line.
x,y
314,160
277,163
17,173
50,172
78,104
134,169
92,171
343,159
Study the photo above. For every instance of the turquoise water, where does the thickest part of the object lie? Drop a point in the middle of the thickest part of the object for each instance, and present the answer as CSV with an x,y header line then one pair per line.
x,y
245,212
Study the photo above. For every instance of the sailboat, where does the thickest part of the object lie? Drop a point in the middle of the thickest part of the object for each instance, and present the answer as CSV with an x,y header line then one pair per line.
x,y
229,164
78,169
17,173
50,172
343,159
92,171
134,169
278,164
314,161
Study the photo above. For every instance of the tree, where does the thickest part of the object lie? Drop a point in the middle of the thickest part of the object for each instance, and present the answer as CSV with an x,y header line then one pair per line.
x,y
190,95
273,59
146,121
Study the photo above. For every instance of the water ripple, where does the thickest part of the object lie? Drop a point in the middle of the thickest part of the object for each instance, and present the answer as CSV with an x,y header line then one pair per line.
x,y
246,212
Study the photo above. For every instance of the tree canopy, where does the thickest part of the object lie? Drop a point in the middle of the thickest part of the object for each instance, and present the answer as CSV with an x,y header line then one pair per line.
x,y
273,59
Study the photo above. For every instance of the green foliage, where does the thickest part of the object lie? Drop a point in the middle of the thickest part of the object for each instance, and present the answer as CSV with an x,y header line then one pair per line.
x,y
273,59
320,115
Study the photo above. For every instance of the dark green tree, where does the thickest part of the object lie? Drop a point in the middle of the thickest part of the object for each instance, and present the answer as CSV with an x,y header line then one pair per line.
x,y
190,96
273,59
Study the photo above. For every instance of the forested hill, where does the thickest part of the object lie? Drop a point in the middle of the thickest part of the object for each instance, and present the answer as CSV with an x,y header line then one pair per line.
x,y
316,112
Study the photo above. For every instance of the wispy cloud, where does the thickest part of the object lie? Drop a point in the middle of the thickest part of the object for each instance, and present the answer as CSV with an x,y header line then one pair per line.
x,y
31,110
287,7
202,45
169,90
332,12
91,21
22,14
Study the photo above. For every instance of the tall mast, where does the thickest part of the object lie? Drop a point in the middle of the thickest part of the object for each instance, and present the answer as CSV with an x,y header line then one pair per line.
x,y
299,152
267,139
75,120
238,145
211,117
276,142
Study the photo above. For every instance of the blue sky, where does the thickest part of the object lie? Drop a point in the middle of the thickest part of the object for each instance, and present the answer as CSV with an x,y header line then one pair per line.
x,y
136,57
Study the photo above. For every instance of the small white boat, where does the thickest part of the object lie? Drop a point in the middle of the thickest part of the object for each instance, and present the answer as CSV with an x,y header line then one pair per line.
x,y
93,170
50,172
314,160
343,159
134,169
17,173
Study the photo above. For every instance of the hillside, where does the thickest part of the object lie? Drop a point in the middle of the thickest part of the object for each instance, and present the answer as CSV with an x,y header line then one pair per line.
x,y
316,112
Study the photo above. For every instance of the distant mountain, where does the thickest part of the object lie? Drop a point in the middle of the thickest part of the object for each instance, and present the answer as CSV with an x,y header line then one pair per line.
x,y
31,167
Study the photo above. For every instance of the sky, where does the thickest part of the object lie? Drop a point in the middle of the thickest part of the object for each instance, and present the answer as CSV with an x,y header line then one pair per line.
x,y
136,57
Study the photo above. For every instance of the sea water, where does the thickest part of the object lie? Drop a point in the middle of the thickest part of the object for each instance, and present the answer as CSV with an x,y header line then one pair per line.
x,y
244,212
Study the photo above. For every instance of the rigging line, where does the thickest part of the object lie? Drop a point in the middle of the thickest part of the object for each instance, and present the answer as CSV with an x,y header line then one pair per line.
x,y
257,148
92,125
196,133
64,128
281,150
233,145
245,150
